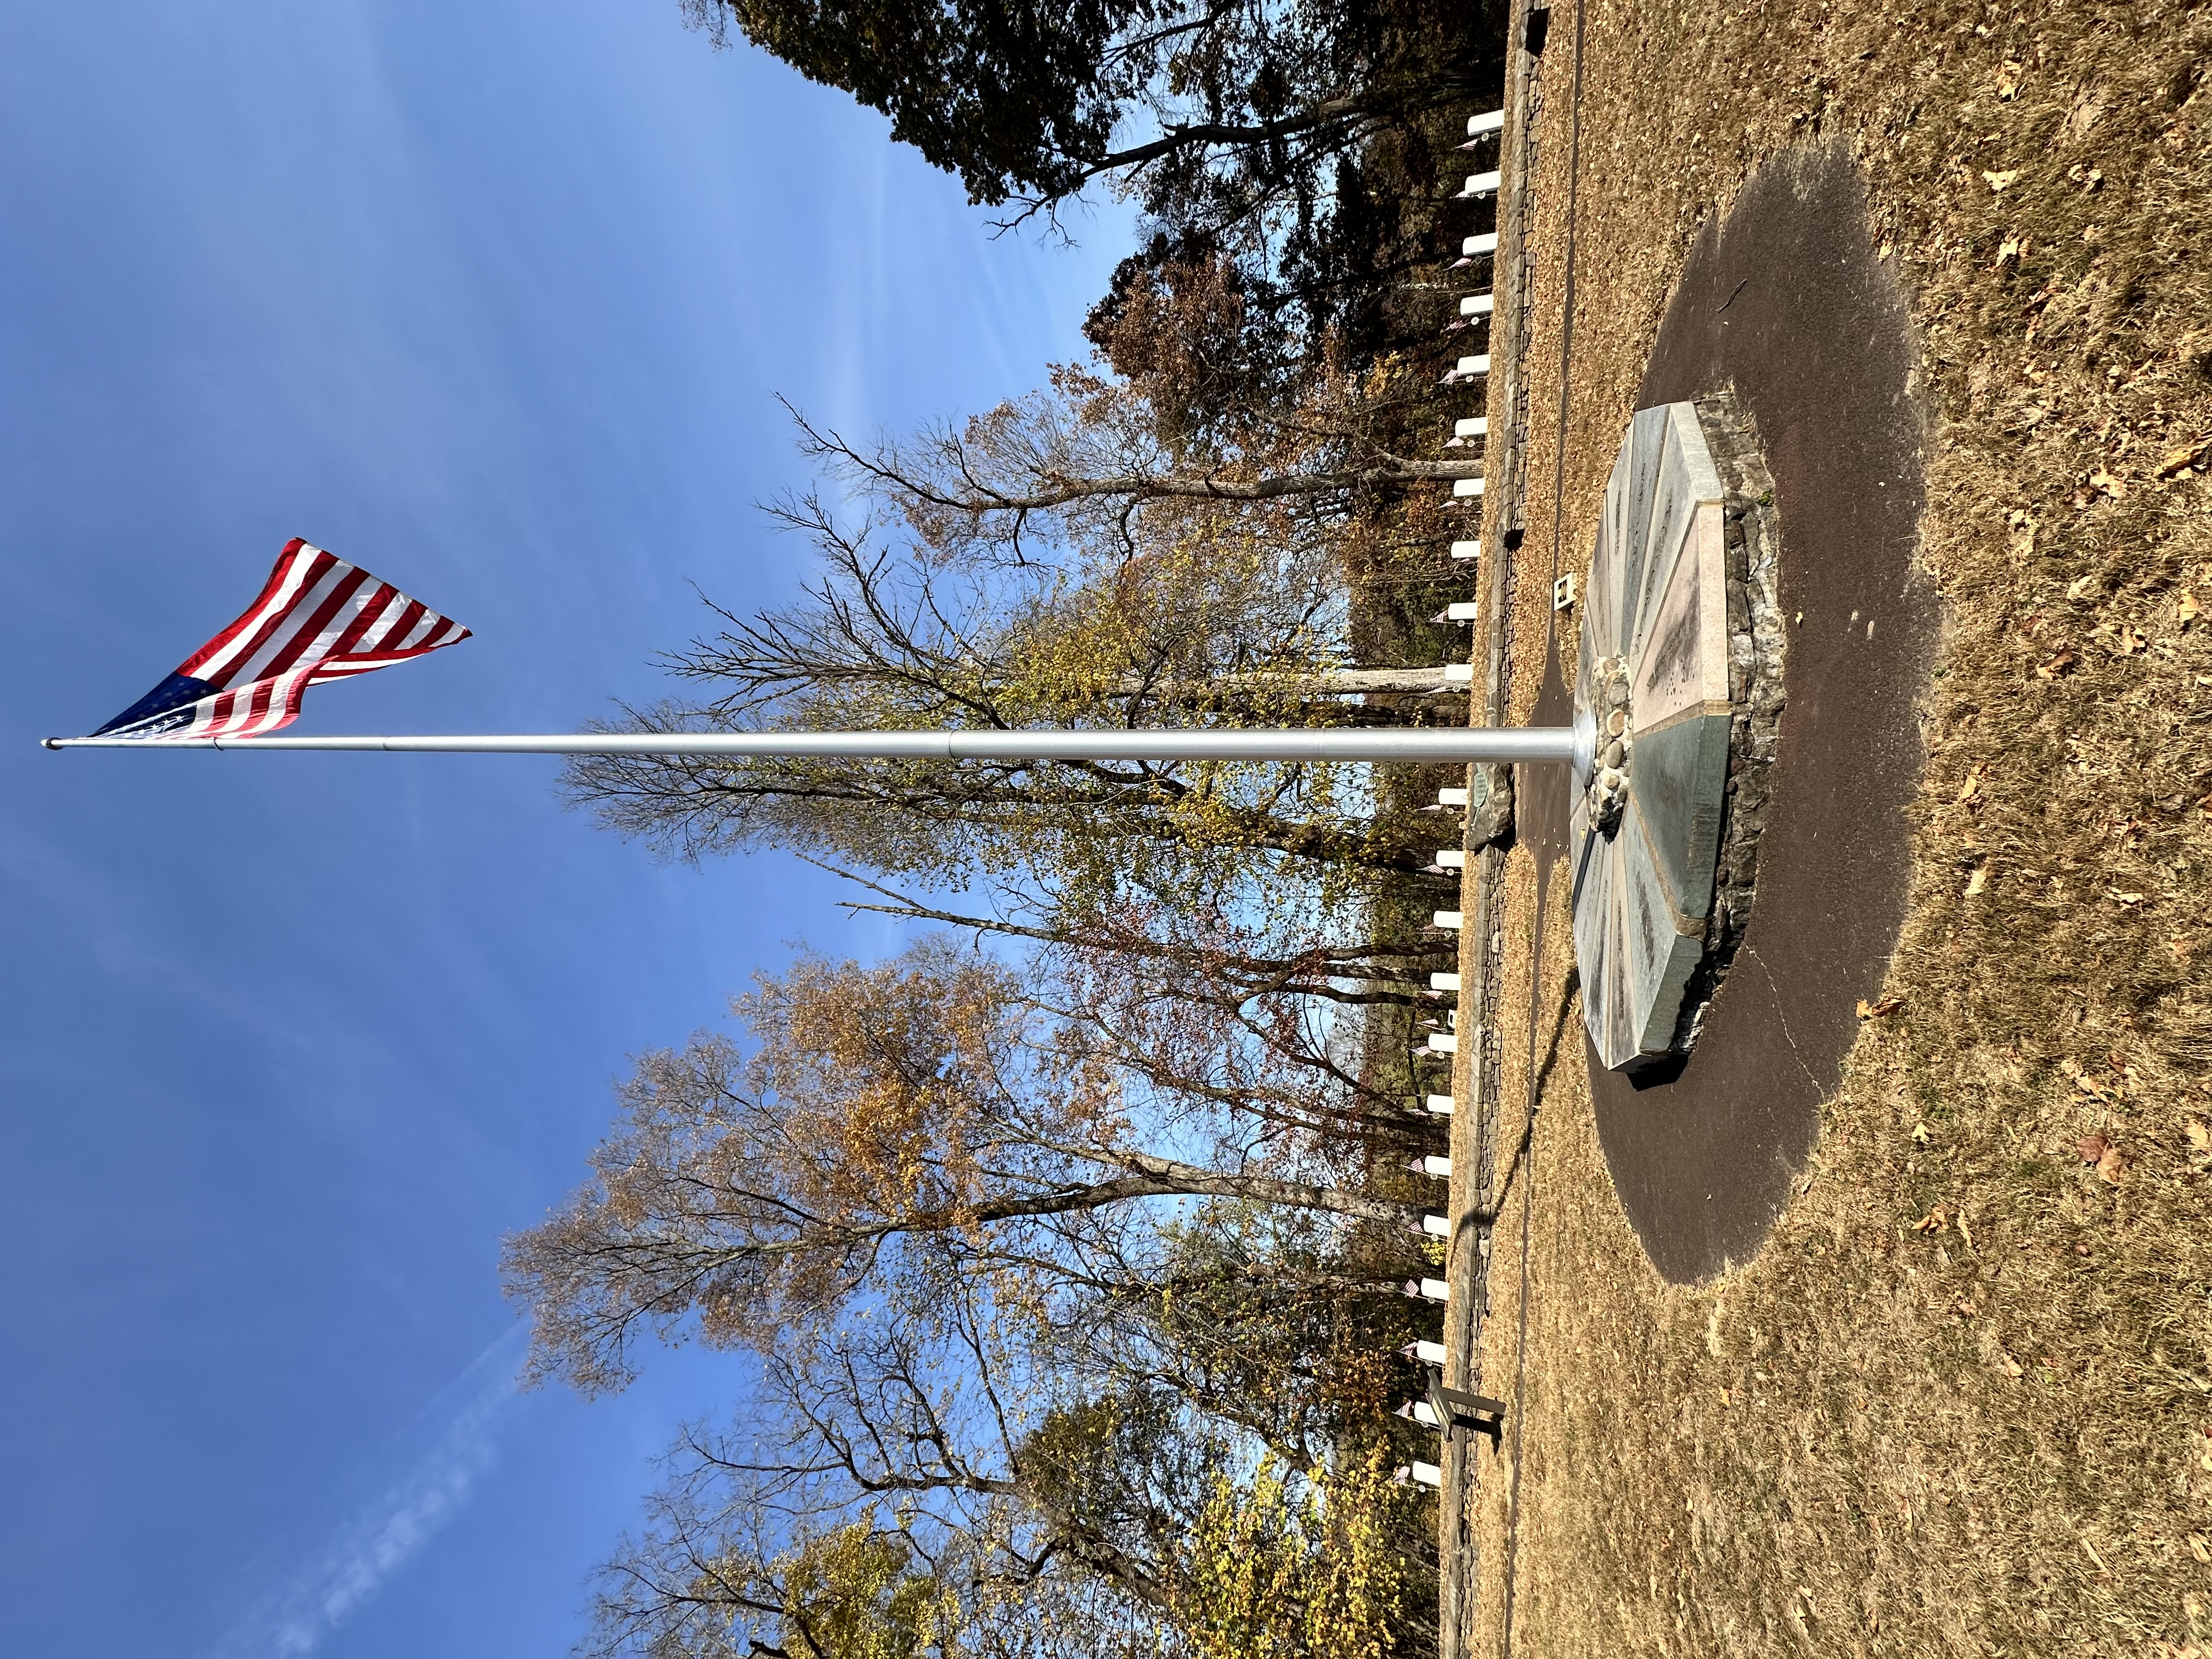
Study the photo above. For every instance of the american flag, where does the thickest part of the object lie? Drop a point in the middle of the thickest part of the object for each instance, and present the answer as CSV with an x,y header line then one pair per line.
x,y
318,619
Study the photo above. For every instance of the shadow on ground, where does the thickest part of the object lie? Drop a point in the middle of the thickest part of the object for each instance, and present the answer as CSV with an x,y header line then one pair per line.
x,y
1786,302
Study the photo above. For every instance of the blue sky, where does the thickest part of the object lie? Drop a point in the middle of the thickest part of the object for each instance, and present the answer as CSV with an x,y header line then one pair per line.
x,y
490,298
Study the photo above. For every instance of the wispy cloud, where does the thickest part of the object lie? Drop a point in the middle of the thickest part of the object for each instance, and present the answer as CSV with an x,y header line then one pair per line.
x,y
383,1535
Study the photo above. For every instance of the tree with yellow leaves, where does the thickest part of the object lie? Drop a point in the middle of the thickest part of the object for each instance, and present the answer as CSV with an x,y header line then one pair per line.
x,y
1278,1566
890,1115
1082,558
926,1486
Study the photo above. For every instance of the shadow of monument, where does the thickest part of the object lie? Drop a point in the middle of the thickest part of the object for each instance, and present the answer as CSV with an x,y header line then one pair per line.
x,y
1786,302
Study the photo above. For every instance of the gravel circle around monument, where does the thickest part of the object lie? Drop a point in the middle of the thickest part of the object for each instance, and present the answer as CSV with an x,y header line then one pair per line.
x,y
1784,308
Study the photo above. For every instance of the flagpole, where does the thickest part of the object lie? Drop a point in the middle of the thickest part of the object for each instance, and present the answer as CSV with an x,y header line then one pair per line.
x,y
1522,745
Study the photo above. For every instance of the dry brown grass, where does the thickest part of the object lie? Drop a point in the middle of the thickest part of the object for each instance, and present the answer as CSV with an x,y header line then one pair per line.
x,y
1962,1401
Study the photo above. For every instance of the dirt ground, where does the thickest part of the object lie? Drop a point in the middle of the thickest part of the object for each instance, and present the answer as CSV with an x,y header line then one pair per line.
x,y
1961,1400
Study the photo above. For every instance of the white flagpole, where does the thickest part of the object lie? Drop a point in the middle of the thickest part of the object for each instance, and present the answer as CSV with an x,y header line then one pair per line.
x,y
1528,743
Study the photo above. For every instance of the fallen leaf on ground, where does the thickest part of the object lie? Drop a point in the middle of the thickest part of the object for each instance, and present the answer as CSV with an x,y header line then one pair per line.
x,y
1933,1222
2081,587
2107,484
2010,1366
2200,1136
2002,181
2187,608
2112,1166
1920,1133
1971,786
1876,1009
2009,77
2118,897
1978,880
2183,456
2092,1147
2129,640
2201,1548
2058,664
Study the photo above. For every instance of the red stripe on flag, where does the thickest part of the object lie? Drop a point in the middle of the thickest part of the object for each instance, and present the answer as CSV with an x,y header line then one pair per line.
x,y
369,603
306,626
217,717
251,632
293,550
398,616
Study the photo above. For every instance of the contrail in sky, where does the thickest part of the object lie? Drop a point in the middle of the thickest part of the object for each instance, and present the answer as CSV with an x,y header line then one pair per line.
x,y
293,1619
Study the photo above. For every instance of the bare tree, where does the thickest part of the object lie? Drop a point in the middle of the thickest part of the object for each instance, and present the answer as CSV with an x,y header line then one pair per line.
x,y
906,1492
879,646
929,1479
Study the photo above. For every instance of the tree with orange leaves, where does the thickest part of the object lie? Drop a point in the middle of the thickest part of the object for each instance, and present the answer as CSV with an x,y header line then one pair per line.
x,y
892,1119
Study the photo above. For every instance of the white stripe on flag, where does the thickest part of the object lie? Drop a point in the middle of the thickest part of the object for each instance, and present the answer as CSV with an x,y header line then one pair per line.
x,y
276,648
423,624
342,620
213,668
393,606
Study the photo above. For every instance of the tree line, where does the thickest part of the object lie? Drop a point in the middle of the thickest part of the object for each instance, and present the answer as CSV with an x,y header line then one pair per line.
x,y
1062,1249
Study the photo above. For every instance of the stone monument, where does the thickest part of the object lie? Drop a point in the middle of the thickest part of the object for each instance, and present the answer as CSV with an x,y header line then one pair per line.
x,y
1678,702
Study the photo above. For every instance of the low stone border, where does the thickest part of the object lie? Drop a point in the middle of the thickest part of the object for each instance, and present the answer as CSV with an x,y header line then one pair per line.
x,y
1757,637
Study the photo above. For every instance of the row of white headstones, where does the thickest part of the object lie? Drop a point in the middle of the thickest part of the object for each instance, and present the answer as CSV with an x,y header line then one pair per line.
x,y
1474,310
